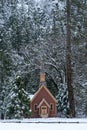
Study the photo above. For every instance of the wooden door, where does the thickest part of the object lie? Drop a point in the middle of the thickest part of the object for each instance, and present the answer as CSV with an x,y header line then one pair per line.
x,y
44,111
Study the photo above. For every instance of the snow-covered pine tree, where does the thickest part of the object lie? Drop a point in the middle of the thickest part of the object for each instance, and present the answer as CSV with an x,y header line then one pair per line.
x,y
63,105
18,106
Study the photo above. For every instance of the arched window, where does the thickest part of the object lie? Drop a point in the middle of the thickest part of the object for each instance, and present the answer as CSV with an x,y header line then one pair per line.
x,y
51,106
35,107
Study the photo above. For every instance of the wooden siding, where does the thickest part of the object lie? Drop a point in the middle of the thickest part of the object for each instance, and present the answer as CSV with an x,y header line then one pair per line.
x,y
43,93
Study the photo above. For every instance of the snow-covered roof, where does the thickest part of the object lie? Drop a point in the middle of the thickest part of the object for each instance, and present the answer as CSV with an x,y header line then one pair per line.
x,y
31,96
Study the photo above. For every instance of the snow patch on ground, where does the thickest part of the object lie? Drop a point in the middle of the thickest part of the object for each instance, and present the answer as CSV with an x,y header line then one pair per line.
x,y
44,124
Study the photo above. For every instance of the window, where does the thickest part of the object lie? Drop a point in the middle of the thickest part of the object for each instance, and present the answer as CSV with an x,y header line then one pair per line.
x,y
51,106
35,107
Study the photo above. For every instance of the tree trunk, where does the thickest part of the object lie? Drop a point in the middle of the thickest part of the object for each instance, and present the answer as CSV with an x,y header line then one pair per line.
x,y
68,63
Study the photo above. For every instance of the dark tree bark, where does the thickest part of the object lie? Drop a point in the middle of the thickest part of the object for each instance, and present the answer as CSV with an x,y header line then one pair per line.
x,y
68,62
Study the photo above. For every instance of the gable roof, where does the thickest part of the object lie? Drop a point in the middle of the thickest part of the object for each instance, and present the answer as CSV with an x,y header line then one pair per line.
x,y
46,91
43,100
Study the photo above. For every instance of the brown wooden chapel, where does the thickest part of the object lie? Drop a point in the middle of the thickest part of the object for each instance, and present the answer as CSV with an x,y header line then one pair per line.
x,y
43,103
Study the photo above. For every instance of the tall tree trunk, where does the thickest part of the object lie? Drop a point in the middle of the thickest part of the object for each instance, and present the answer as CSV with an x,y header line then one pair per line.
x,y
68,63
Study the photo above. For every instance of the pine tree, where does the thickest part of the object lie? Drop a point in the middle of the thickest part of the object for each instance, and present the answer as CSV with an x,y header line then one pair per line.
x,y
63,105
18,106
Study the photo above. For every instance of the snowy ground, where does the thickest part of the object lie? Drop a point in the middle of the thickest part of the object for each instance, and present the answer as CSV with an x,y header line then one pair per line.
x,y
44,124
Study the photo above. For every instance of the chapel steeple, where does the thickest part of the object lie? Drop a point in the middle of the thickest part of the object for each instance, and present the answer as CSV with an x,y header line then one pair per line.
x,y
42,75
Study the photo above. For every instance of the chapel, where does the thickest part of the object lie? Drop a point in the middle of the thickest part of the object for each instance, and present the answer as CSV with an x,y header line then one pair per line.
x,y
43,103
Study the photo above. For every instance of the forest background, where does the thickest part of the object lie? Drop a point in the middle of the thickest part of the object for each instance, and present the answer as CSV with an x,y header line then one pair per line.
x,y
32,32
